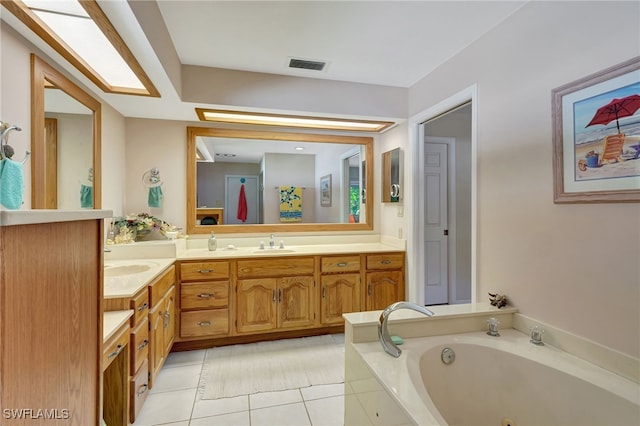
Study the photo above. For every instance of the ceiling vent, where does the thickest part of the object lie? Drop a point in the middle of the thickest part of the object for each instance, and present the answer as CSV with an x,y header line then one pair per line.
x,y
306,65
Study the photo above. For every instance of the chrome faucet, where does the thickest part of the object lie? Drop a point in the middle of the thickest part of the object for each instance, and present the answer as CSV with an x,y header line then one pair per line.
x,y
272,241
383,333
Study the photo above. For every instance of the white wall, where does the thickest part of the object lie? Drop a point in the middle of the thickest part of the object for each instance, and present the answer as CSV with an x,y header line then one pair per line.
x,y
554,262
289,170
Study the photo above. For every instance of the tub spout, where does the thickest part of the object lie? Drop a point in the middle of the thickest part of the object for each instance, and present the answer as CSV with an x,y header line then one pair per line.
x,y
383,333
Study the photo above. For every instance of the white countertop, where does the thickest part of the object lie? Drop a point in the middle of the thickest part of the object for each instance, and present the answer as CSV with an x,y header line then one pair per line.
x,y
298,250
112,321
30,217
129,285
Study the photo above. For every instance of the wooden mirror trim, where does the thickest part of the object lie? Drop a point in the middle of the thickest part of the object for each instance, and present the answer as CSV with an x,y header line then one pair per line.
x,y
193,228
40,73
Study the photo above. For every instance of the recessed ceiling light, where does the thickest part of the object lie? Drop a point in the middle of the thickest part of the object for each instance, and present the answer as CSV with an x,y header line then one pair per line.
x,y
324,123
84,36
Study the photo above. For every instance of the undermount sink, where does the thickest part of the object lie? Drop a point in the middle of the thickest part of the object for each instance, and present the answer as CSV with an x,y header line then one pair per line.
x,y
119,270
273,251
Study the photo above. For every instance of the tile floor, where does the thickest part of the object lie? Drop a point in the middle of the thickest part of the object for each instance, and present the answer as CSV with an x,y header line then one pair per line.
x,y
175,400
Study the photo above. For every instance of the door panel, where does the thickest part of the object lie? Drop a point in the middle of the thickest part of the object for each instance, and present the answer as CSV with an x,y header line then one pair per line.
x,y
295,302
340,294
256,305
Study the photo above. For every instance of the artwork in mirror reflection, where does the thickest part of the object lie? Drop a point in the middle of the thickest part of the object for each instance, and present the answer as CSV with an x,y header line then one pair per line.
x,y
69,151
257,181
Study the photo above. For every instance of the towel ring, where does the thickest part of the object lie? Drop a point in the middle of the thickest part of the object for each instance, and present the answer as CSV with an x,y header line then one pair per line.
x,y
151,178
5,128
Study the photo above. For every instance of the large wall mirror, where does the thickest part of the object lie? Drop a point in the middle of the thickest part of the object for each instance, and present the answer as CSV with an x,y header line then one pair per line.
x,y
247,181
65,142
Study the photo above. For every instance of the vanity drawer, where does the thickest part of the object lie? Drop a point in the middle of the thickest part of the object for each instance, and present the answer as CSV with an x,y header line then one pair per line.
x,y
275,267
213,294
204,323
159,287
198,271
385,261
139,345
140,306
138,390
114,346
340,264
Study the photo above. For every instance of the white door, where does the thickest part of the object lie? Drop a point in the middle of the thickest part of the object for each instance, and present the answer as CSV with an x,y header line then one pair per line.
x,y
436,224
232,194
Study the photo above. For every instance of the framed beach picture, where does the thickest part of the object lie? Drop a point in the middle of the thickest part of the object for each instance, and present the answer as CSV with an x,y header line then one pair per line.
x,y
596,137
325,191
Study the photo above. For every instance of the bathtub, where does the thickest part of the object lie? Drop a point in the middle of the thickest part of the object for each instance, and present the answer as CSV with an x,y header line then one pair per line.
x,y
502,380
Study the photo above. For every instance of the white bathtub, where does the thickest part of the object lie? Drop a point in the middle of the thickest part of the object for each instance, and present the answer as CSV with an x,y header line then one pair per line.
x,y
495,381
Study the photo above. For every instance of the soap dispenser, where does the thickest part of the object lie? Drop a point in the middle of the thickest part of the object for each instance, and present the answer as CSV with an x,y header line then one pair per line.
x,y
213,243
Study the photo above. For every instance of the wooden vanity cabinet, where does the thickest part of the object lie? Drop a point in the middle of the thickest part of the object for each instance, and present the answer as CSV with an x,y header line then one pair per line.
x,y
340,287
275,294
385,280
204,299
51,319
115,363
162,321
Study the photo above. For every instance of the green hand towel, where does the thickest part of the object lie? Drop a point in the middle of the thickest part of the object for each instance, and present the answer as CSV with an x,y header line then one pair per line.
x,y
155,196
86,196
11,184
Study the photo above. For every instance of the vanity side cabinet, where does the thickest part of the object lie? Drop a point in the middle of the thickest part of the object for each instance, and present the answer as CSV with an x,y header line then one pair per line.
x,y
51,320
339,287
204,299
275,294
162,319
138,344
385,280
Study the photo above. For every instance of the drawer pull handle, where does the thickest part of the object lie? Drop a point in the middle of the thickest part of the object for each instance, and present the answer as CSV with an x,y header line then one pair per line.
x,y
341,264
386,262
205,271
142,307
142,389
204,323
369,289
205,295
143,345
274,296
280,296
116,352
324,291
167,319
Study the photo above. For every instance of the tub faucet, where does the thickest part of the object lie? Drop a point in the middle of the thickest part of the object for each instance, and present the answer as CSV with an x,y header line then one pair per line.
x,y
383,333
272,241
536,335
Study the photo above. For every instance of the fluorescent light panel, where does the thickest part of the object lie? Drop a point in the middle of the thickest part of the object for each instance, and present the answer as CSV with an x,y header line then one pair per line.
x,y
240,117
72,31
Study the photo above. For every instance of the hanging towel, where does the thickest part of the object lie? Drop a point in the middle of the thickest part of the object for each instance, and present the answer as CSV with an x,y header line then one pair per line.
x,y
290,204
86,196
155,196
242,205
11,184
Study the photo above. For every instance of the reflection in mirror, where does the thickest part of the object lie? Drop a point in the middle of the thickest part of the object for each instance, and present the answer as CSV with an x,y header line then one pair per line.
x,y
277,177
391,185
65,132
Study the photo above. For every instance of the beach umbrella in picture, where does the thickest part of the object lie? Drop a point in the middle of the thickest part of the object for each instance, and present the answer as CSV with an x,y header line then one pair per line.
x,y
617,108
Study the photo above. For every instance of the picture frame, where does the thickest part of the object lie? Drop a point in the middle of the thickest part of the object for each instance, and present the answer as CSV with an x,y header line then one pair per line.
x,y
596,157
325,191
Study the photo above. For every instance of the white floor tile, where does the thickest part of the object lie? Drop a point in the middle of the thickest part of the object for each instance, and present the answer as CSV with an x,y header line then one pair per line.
x,y
166,407
326,411
322,391
215,407
233,419
281,415
177,378
270,399
180,359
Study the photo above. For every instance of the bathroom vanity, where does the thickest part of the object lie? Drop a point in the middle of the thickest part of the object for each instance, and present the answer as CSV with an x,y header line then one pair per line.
x,y
51,316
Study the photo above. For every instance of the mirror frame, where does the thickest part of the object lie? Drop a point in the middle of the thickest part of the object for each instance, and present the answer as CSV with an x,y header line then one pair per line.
x,y
41,72
193,228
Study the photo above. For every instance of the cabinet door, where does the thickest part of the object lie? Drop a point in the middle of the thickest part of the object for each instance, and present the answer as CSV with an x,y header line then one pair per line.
x,y
340,294
170,320
256,305
295,302
384,288
156,340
